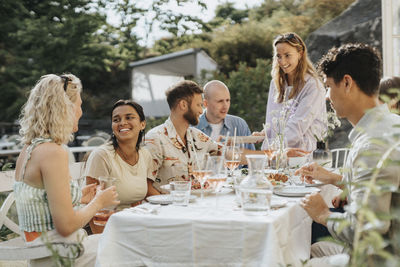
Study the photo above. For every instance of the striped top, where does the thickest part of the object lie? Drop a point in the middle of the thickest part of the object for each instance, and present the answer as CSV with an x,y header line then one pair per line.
x,y
32,203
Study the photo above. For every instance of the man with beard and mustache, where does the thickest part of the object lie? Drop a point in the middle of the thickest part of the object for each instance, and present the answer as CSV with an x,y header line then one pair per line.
x,y
174,144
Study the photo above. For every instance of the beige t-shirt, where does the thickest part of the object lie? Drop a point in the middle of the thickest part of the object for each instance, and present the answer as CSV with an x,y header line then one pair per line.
x,y
131,183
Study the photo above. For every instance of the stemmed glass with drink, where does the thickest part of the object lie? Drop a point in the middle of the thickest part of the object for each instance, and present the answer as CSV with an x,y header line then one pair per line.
x,y
233,157
270,152
218,174
101,217
201,172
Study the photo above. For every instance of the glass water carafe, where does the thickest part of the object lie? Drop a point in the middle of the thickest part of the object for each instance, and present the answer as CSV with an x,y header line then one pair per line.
x,y
255,189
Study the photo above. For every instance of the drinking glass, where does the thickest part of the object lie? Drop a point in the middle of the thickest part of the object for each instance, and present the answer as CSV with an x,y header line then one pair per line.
x,y
200,172
180,191
218,174
271,153
278,147
233,156
101,217
81,182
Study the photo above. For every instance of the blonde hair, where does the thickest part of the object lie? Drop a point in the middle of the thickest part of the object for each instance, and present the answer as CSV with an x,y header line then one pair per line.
x,y
304,66
50,109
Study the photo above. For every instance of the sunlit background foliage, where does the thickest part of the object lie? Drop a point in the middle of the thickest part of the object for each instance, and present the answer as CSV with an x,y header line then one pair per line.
x,y
43,36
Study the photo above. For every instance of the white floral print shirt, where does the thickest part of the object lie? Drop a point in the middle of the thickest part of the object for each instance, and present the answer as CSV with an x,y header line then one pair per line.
x,y
172,160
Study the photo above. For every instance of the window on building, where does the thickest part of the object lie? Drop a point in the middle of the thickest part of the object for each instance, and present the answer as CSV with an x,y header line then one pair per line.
x,y
391,37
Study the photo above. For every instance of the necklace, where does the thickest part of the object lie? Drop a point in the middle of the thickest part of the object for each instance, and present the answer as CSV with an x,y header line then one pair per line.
x,y
132,161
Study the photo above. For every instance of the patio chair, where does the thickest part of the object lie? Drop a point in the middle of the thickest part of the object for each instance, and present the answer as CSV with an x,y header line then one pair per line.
x,y
15,138
102,134
94,141
15,249
339,157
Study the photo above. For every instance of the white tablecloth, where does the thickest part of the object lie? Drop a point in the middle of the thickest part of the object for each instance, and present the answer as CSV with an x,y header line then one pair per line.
x,y
206,236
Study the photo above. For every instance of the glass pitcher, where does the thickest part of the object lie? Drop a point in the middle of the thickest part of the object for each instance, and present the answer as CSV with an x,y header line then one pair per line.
x,y
255,189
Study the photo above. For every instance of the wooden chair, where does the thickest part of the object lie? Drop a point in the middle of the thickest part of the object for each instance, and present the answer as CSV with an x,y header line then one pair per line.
x,y
15,248
339,157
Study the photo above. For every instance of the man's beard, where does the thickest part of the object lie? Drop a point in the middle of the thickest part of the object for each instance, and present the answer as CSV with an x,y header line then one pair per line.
x,y
191,117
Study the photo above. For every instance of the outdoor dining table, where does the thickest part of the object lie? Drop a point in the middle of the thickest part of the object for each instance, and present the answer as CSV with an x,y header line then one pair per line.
x,y
204,234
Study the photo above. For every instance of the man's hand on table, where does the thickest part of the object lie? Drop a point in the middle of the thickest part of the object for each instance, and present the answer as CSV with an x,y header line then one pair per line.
x,y
339,201
316,208
314,171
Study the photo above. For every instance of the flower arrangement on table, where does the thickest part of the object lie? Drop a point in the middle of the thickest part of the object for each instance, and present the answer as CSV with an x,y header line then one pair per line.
x,y
332,121
277,128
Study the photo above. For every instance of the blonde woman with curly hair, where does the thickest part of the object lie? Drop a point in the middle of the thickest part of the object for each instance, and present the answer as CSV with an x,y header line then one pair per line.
x,y
296,98
44,193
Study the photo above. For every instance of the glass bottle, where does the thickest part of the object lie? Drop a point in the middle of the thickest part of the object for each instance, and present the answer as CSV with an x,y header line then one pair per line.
x,y
255,189
322,155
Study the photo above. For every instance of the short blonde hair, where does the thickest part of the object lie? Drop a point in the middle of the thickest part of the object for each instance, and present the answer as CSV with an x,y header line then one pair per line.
x,y
50,109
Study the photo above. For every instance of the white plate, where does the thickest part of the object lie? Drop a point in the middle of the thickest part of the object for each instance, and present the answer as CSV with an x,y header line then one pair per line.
x,y
247,139
165,188
315,184
165,199
294,191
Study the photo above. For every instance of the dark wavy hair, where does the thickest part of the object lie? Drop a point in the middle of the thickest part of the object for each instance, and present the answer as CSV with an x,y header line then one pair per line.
x,y
182,90
139,110
361,61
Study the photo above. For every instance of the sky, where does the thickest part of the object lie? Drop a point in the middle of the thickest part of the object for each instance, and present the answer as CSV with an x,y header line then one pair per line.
x,y
188,9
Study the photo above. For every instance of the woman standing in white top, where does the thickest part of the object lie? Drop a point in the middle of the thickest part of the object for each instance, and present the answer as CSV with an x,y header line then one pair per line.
x,y
123,158
296,99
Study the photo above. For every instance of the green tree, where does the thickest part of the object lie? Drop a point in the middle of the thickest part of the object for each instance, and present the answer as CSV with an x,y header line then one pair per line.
x,y
227,11
47,37
39,37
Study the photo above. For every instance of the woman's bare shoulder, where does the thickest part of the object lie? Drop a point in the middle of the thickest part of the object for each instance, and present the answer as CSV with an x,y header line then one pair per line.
x,y
49,151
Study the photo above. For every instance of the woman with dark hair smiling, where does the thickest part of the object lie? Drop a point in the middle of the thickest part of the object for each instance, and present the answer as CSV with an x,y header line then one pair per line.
x,y
123,158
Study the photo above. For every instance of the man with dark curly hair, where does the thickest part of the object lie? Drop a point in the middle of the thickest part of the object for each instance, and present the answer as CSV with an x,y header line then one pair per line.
x,y
352,73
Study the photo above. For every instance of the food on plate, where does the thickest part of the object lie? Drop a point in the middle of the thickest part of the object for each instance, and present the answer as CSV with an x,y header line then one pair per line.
x,y
277,177
196,184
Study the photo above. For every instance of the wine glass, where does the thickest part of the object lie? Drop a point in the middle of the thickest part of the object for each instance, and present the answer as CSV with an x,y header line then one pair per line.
x,y
200,172
218,174
271,153
233,157
101,217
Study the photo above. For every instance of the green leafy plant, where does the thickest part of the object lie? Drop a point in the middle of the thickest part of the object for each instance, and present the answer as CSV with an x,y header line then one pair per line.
x,y
332,122
73,251
370,247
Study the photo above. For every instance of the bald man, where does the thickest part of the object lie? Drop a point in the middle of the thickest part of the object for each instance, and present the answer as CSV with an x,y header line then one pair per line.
x,y
215,120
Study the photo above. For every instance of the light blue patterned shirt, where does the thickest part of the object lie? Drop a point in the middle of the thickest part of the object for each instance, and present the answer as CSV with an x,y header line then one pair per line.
x,y
230,123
